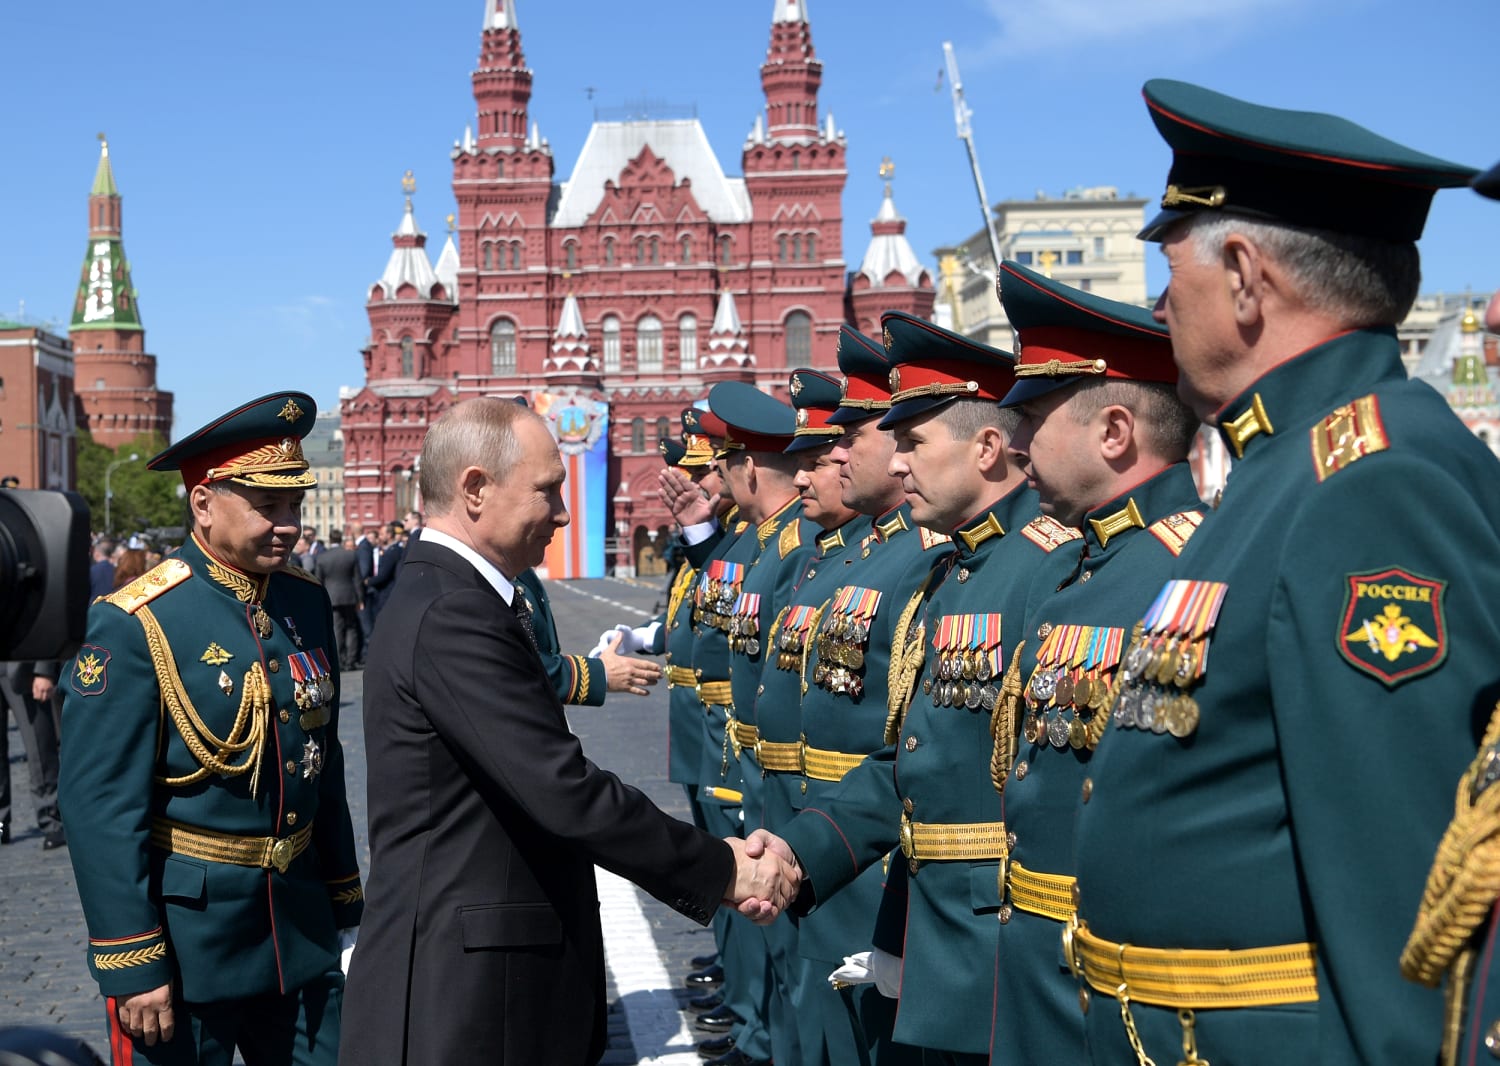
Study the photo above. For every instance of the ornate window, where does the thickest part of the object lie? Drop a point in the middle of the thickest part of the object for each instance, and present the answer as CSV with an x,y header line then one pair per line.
x,y
655,250
515,255
687,342
781,247
609,251
610,327
663,429
638,434
796,247
487,263
648,343
798,339
687,249
408,358
726,250
503,347
570,251
640,251
812,247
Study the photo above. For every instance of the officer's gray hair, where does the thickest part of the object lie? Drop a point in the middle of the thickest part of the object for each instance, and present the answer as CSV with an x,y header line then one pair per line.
x,y
1166,425
965,418
1365,281
479,432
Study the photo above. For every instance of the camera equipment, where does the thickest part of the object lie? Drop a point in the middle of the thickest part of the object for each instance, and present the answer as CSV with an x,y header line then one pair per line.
x,y
44,573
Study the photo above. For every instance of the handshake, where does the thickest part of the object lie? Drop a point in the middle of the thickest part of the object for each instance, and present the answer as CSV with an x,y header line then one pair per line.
x,y
766,876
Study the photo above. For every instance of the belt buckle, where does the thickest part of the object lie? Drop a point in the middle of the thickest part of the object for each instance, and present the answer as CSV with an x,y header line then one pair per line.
x,y
908,844
1071,949
281,854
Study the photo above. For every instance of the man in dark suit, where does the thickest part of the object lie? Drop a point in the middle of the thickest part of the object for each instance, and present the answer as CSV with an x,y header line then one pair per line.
x,y
338,568
364,551
387,566
482,941
27,689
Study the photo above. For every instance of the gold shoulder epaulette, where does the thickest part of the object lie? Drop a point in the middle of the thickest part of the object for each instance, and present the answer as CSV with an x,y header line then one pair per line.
x,y
732,516
161,577
740,526
790,539
297,571
1347,435
932,539
1175,530
1048,533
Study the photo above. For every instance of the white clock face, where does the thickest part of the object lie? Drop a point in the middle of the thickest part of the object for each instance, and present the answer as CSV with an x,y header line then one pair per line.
x,y
100,302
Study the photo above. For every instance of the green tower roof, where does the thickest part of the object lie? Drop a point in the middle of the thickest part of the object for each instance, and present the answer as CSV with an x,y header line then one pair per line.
x,y
104,177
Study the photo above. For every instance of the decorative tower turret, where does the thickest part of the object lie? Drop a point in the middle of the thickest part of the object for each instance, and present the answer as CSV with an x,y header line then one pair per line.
x,y
116,378
890,277
409,307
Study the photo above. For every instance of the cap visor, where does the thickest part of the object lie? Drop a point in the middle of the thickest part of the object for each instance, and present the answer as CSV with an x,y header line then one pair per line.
x,y
1028,389
909,409
1157,228
852,416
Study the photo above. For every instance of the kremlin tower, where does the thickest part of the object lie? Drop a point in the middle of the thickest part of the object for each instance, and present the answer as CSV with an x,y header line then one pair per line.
x,y
613,298
115,377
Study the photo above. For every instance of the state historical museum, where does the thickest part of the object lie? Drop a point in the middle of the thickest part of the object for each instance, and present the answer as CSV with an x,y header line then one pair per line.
x,y
615,298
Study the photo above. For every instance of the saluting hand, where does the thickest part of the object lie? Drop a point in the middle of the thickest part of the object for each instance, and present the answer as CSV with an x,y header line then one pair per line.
x,y
686,500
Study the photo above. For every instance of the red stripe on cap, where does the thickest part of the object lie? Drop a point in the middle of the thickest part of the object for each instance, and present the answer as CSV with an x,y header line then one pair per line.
x,y
1125,358
863,387
992,382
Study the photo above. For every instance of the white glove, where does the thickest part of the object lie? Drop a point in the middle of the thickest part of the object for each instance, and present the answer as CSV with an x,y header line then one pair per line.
x,y
887,970
347,937
643,636
855,971
607,638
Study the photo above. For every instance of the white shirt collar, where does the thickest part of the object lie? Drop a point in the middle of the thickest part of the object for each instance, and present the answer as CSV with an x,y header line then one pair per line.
x,y
488,570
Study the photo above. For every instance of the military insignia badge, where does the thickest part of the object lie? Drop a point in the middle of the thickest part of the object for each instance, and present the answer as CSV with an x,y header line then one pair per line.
x,y
215,655
1393,626
89,670
312,760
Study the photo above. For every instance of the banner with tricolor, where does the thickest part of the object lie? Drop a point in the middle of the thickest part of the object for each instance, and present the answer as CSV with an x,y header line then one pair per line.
x,y
580,424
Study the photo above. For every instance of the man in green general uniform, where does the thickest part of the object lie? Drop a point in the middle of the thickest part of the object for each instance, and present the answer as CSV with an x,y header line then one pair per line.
x,y
1456,927
202,777
844,671
1104,440
1301,694
582,680
933,794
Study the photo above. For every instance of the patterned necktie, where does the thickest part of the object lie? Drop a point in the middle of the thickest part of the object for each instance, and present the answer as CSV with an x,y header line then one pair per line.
x,y
523,612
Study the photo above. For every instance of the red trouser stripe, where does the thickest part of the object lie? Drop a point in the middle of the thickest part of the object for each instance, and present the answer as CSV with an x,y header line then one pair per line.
x,y
121,1050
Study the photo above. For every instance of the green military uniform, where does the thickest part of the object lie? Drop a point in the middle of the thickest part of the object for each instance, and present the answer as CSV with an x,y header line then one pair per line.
x,y
844,673
1298,700
1457,925
932,793
203,787
1074,640
577,679
757,423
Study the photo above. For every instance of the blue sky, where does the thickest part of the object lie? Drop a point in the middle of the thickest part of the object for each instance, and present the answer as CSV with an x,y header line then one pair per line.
x,y
260,147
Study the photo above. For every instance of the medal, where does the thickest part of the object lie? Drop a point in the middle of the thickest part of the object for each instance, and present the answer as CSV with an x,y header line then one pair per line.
x,y
752,647
1185,721
989,697
1057,732
1062,692
1078,734
1043,685
262,622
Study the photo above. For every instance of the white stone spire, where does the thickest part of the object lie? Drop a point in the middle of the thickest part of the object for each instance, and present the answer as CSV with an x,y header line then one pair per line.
x,y
570,343
447,265
500,15
890,252
790,11
408,264
726,341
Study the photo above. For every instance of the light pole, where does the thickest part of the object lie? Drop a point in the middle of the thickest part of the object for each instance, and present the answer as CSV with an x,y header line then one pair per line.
x,y
108,495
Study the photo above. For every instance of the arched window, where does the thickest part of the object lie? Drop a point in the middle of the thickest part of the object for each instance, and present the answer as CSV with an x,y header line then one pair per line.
x,y
687,249
687,342
781,248
609,251
610,327
638,434
408,358
655,250
503,347
726,250
798,339
796,160
488,265
663,430
812,247
570,250
640,250
796,247
648,343
515,255
499,167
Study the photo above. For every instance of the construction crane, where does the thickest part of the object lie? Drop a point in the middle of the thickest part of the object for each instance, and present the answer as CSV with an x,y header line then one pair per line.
x,y
961,114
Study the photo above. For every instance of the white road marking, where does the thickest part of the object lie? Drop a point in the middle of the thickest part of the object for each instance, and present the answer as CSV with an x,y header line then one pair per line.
x,y
627,608
658,1030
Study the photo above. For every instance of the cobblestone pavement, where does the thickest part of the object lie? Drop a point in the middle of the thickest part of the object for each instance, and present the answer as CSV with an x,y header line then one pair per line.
x,y
43,977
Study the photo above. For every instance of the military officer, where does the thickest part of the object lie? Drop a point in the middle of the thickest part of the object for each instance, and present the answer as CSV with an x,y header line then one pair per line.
x,y
1455,932
583,680
844,672
1104,439
203,782
1244,852
935,795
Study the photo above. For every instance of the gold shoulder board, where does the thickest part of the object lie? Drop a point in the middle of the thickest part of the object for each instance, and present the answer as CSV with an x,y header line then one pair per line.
x,y
151,584
1048,533
931,539
790,539
1175,530
1348,435
297,571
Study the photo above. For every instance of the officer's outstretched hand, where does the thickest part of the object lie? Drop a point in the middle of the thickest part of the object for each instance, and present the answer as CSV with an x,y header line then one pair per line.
x,y
147,1016
626,673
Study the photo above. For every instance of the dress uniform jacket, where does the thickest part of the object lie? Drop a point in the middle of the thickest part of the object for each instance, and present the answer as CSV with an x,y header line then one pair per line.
x,y
482,941
577,679
232,877
1351,667
737,547
1130,543
939,774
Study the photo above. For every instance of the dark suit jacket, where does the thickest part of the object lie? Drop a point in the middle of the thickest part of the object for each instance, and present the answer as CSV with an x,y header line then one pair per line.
x,y
338,569
481,940
364,551
378,588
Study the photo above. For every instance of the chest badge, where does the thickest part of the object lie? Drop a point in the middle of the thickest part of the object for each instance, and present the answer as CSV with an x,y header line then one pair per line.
x,y
312,760
1393,626
215,655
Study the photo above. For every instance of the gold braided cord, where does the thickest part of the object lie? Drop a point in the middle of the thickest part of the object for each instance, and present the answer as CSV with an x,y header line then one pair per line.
x,y
1004,721
121,960
776,626
1465,878
907,653
1455,1005
680,587
254,714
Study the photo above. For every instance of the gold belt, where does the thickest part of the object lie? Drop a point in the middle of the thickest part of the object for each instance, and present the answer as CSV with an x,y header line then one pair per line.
x,y
929,841
777,755
266,853
745,736
828,765
682,675
715,693
1190,978
1050,895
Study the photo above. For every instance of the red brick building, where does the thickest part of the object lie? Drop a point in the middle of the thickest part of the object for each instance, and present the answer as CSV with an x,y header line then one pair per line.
x,y
37,413
617,296
116,378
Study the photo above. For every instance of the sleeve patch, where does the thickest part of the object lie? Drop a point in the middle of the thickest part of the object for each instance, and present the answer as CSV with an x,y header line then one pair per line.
x,y
91,670
1348,435
1393,627
1175,530
1048,533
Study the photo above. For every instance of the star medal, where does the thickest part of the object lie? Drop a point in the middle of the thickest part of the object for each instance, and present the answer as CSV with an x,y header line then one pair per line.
x,y
312,760
292,629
